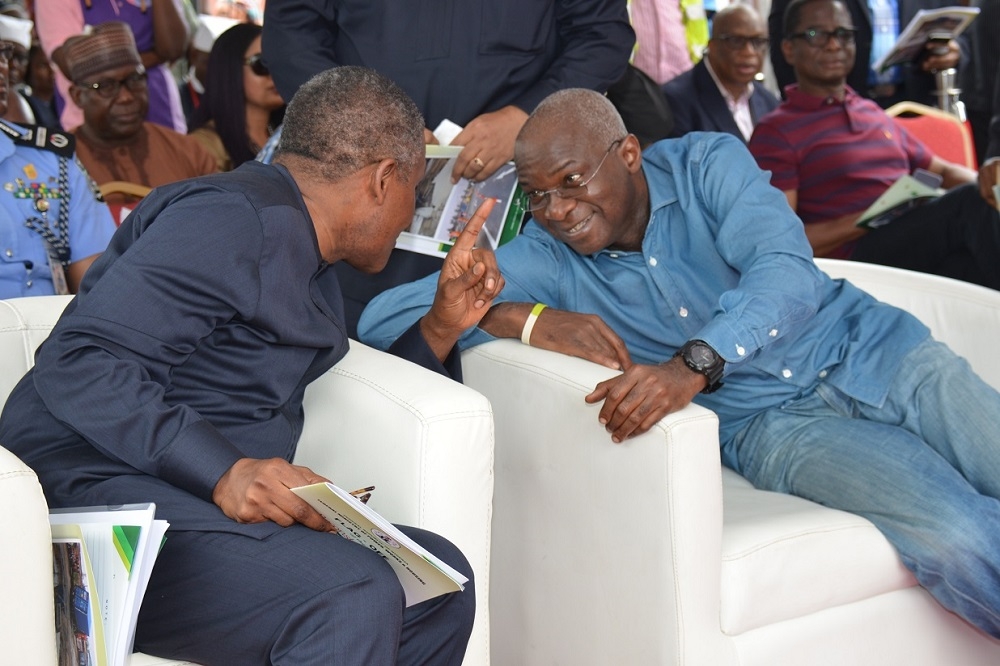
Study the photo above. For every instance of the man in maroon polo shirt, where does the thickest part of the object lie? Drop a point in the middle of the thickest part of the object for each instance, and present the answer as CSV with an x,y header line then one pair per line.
x,y
833,153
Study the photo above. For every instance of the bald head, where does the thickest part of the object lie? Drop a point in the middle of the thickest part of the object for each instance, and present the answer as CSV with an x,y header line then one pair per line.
x,y
737,14
577,108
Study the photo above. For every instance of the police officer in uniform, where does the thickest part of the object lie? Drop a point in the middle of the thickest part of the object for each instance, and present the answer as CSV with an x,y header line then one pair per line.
x,y
53,223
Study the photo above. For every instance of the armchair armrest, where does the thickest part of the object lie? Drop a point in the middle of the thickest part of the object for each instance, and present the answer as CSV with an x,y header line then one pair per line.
x,y
424,441
650,579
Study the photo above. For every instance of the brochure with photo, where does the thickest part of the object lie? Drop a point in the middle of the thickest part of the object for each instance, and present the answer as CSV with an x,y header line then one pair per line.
x,y
443,209
927,25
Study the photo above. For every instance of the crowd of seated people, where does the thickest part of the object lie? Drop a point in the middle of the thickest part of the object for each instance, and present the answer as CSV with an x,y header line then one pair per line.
x,y
831,149
124,128
713,65
833,153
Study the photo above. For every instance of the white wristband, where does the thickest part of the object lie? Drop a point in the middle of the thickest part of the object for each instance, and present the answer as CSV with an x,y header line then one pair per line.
x,y
530,322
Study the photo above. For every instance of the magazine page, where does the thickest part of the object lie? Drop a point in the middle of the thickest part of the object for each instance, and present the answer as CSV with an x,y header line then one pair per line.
x,y
79,627
422,575
944,23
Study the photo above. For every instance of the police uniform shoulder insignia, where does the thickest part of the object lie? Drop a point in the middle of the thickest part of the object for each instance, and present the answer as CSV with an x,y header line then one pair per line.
x,y
44,138
13,131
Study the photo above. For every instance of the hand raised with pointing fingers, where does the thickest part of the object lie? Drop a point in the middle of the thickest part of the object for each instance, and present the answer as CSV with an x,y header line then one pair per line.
x,y
470,280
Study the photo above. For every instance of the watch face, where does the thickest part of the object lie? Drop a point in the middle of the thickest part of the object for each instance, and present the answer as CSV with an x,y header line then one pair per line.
x,y
702,355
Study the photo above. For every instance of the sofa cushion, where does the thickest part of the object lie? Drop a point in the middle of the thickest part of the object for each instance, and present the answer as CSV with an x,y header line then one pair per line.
x,y
784,557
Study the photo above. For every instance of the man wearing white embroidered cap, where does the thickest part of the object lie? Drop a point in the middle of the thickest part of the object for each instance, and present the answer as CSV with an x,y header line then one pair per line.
x,y
193,86
17,32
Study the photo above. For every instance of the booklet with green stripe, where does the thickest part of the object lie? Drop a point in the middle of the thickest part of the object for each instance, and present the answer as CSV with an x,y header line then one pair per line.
x,y
107,555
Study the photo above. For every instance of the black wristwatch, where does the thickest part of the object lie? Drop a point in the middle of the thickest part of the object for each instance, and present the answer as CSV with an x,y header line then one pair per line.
x,y
704,360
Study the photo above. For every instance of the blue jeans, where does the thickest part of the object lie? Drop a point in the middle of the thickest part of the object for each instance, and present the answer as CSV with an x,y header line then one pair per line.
x,y
924,468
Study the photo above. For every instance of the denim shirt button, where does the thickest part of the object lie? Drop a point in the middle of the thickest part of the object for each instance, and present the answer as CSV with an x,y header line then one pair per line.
x,y
652,261
786,373
773,332
683,312
822,374
740,350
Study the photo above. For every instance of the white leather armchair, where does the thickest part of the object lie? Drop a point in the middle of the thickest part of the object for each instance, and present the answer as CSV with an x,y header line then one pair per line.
x,y
650,552
424,441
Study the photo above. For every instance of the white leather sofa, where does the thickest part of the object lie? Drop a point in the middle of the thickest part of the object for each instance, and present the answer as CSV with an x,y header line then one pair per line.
x,y
424,441
651,553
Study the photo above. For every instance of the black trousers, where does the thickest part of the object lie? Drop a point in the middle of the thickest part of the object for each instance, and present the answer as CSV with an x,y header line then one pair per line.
x,y
957,235
297,598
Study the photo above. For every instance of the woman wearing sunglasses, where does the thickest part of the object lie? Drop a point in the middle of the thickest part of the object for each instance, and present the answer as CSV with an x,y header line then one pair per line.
x,y
241,106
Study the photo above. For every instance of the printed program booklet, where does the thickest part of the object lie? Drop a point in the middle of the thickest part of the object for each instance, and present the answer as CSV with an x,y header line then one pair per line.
x,y
102,560
422,575
904,195
942,24
443,209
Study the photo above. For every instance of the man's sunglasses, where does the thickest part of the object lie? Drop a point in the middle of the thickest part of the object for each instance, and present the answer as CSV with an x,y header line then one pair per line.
x,y
257,65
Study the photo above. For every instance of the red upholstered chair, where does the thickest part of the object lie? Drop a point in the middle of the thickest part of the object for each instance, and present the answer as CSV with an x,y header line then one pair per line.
x,y
948,137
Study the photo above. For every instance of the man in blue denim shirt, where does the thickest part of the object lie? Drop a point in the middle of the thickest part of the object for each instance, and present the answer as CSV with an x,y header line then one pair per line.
x,y
697,276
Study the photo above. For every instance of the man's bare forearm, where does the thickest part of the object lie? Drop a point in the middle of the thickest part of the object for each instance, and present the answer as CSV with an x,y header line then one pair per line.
x,y
505,320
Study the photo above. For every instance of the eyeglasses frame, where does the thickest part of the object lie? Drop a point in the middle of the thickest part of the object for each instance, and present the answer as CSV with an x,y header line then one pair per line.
x,y
574,191
139,75
844,36
758,42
